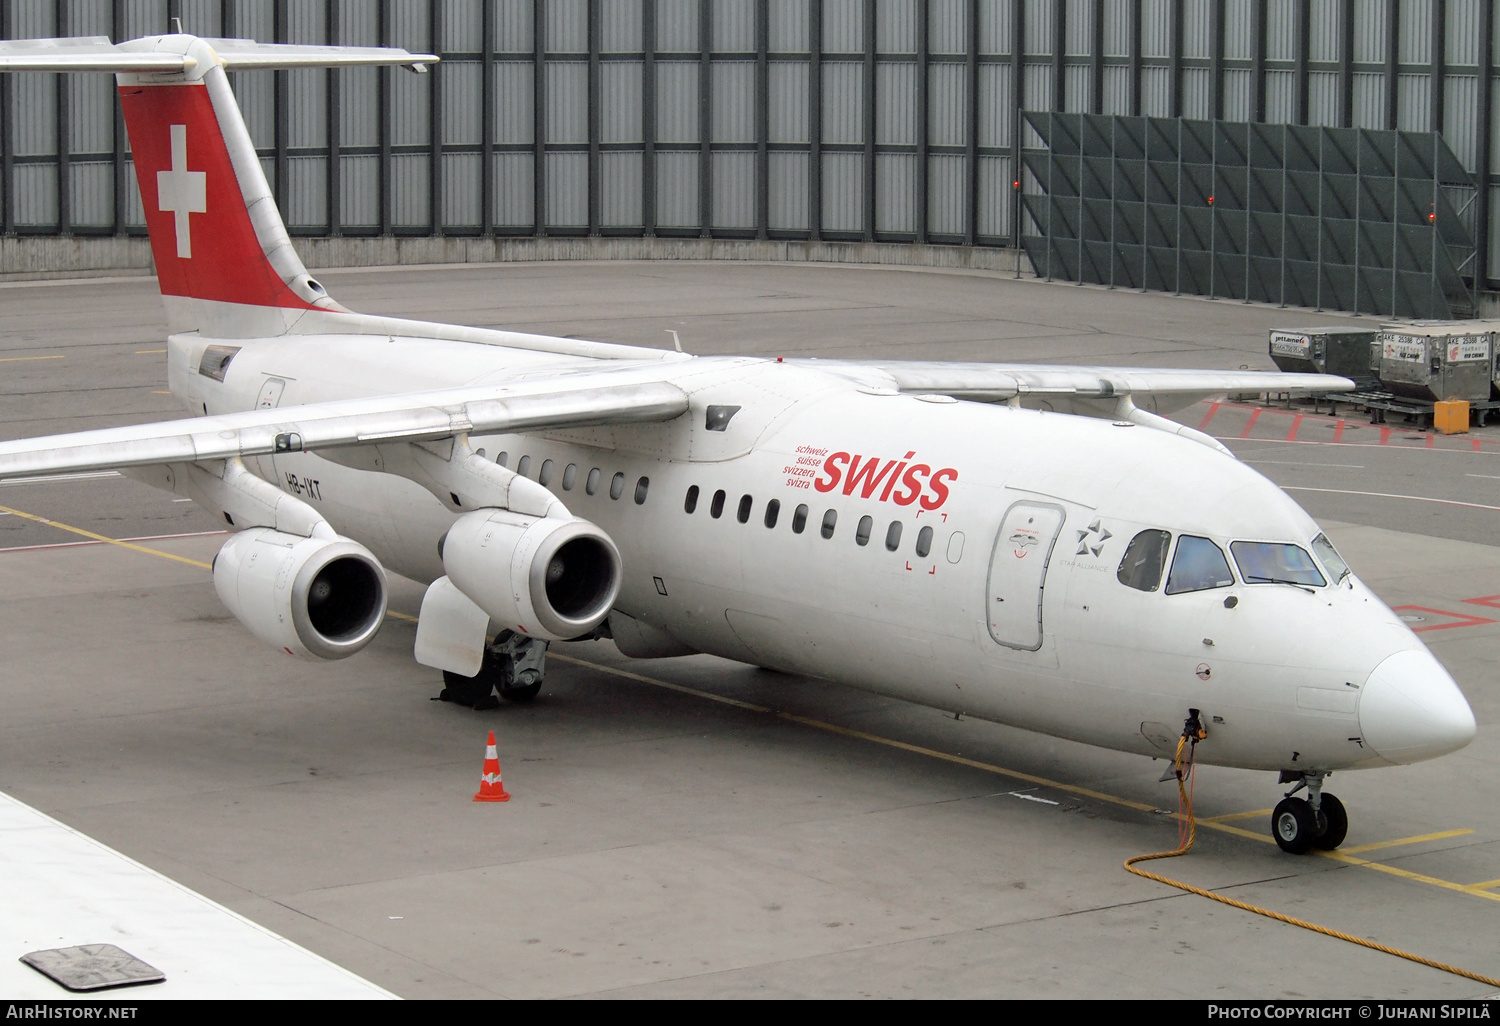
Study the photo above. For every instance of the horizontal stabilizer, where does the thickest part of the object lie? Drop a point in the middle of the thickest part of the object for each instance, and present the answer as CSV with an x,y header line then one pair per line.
x,y
87,53
159,55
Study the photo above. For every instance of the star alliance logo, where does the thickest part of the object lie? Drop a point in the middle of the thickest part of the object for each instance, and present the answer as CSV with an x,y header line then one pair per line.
x,y
1085,547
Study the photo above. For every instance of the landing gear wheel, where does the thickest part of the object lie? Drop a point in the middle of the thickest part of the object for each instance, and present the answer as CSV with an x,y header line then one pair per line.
x,y
1294,826
520,686
524,693
1335,823
476,692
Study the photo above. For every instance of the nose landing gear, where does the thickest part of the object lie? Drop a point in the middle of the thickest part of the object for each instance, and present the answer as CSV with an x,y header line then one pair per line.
x,y
1319,821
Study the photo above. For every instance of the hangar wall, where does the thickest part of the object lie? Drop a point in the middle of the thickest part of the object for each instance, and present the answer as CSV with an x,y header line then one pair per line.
x,y
854,121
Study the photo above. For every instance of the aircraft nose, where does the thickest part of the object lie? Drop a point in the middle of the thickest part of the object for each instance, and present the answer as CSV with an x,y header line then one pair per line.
x,y
1411,710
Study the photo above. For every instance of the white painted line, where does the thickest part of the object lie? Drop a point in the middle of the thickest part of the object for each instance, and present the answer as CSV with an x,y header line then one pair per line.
x,y
1032,798
1388,495
1298,463
45,479
80,544
1488,477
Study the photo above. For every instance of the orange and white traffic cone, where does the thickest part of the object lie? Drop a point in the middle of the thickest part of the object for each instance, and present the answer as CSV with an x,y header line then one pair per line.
x,y
490,787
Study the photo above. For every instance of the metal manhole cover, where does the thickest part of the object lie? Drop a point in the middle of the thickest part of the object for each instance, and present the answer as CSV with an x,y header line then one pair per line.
x,y
93,967
1413,618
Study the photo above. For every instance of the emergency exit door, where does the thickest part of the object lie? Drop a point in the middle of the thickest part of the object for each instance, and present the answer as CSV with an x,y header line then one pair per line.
x,y
1018,573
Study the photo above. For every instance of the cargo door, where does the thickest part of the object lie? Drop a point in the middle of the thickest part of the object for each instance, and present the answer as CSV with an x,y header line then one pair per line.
x,y
1018,573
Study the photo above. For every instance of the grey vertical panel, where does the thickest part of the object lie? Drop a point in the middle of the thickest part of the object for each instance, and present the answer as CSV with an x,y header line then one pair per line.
x,y
1494,252
1156,92
1116,17
1196,44
620,189
144,18
568,190
1239,98
733,190
843,103
35,195
462,24
1461,123
620,118
620,26
787,191
200,17
677,190
89,17
843,26
788,26
947,105
995,20
255,91
1238,29
1038,27
462,110
93,189
1080,28
1196,99
1078,91
307,191
1037,85
1369,31
34,115
513,34
1325,29
1369,100
677,102
895,104
514,120
91,113
995,105
514,192
567,26
787,85
994,196
411,109
896,192
843,192
252,20
359,112
1415,32
1462,29
359,23
567,102
359,191
1414,103
307,21
1281,97
410,192
733,103
307,114
676,26
947,26
1156,28
946,183
1323,98
1116,90
896,26
135,212
733,26
1281,30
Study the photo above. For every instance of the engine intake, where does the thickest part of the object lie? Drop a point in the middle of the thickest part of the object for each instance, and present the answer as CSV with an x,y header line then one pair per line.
x,y
318,597
549,577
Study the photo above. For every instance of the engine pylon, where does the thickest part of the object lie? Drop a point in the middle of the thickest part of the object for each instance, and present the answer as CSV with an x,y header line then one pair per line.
x,y
491,789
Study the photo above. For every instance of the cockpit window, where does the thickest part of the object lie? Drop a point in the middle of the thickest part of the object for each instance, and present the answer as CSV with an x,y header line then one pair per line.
x,y
1276,563
1330,558
1145,559
1198,566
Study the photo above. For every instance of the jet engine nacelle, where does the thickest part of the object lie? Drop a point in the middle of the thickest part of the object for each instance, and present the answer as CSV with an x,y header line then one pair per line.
x,y
552,578
318,596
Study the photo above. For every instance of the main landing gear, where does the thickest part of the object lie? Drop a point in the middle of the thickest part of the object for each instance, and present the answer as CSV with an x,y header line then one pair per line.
x,y
1319,821
513,666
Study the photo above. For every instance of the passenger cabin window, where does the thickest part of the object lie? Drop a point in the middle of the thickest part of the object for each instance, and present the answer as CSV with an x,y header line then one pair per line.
x,y
1145,559
1276,563
592,484
523,466
893,536
640,490
617,485
743,515
773,510
691,502
862,532
503,459
1332,561
716,507
924,541
799,519
570,476
1198,566
829,520
544,475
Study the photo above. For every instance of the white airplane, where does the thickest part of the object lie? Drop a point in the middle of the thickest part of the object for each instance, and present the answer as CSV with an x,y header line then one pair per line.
x,y
1024,544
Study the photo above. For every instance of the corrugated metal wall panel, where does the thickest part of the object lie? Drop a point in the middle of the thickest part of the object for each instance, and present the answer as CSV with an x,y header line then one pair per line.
x,y
843,26
995,105
1414,103
1369,31
1461,118
676,26
1078,27
1281,97
307,191
1414,18
359,106
410,195
843,103
35,195
1281,30
91,113
993,213
947,177
1495,135
135,212
734,190
620,190
1116,15
462,188
1238,29
93,193
620,25
786,188
1116,90
1036,85
514,197
1322,98
252,20
567,26
947,26
995,25
142,18
513,27
733,26
1195,94
621,109
1325,30
515,120
1461,27
568,190
359,23
1195,25
895,104
677,102
947,104
307,22
307,103
89,17
359,191
677,190
567,102
896,192
256,92
200,17
1078,91
411,109
463,29
34,18
1037,25
463,88
1494,253
896,26
33,115
1369,100
1156,92
411,25
732,107
790,21
1156,28
1239,96
843,192
786,85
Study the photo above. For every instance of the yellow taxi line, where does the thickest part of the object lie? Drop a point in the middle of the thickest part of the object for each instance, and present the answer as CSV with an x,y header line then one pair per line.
x,y
1439,836
105,538
19,359
1235,815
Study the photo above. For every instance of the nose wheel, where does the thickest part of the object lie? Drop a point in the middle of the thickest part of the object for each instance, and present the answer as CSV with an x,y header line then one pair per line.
x,y
1319,821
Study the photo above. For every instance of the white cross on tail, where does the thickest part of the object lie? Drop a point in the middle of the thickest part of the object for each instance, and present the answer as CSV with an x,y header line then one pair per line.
x,y
180,191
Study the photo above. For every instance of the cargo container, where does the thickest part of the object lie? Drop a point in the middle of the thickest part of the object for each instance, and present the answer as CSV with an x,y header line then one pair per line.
x,y
1350,352
1434,360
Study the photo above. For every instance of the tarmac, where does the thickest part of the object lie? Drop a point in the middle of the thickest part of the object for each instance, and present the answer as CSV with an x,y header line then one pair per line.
x,y
695,827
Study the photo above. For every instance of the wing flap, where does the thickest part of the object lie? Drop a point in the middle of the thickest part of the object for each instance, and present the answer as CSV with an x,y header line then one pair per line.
x,y
1005,380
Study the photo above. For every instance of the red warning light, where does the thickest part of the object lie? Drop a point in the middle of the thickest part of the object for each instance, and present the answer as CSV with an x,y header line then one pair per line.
x,y
1432,217
1210,201
1016,184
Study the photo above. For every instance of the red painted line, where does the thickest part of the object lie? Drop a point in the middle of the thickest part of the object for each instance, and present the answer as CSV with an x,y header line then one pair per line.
x,y
1493,601
1338,431
1464,619
1477,444
1431,441
1291,436
1254,416
1213,408
1385,435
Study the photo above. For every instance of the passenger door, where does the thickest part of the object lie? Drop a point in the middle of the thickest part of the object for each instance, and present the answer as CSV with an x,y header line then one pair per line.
x,y
1018,573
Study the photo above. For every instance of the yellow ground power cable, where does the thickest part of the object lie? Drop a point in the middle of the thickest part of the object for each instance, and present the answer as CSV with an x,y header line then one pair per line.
x,y
1187,833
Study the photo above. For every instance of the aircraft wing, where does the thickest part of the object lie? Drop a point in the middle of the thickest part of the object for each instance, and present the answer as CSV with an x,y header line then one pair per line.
x,y
573,401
